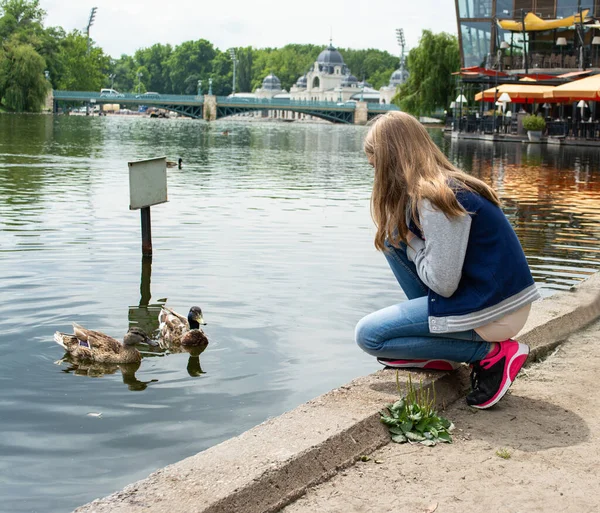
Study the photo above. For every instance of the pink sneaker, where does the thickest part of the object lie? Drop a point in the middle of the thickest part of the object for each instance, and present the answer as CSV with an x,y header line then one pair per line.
x,y
445,365
492,376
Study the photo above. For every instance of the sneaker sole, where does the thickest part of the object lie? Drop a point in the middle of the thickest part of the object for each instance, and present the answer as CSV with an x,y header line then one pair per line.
x,y
512,369
443,365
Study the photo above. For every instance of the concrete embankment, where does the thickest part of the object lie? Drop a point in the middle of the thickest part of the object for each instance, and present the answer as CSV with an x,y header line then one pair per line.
x,y
274,463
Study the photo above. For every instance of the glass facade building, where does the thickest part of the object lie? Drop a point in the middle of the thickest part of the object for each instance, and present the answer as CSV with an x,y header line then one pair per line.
x,y
480,36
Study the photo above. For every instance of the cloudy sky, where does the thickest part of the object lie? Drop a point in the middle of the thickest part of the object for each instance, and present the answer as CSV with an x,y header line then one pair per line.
x,y
122,26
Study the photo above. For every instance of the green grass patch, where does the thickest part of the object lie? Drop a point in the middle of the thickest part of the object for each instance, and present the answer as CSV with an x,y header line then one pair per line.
x,y
503,453
413,419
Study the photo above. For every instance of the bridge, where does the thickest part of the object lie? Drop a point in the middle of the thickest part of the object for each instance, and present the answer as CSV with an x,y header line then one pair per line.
x,y
210,107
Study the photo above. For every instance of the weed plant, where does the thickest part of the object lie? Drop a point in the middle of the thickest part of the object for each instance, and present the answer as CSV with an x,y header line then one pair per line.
x,y
413,418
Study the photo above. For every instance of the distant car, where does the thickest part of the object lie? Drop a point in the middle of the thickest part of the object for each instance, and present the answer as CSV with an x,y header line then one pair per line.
x,y
110,92
148,95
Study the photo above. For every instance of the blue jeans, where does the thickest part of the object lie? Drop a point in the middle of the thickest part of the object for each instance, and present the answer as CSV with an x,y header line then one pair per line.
x,y
401,331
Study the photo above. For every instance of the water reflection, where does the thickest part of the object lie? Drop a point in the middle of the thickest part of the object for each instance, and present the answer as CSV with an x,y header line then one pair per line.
x,y
97,370
145,315
551,196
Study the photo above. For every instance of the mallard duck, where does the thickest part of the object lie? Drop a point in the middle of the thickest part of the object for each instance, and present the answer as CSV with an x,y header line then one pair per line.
x,y
94,346
177,164
177,330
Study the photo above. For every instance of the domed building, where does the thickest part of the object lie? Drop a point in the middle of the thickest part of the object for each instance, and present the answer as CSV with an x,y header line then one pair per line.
x,y
329,79
271,87
398,78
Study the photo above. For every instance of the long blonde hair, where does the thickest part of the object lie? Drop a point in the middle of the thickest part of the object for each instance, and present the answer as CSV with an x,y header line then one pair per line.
x,y
409,167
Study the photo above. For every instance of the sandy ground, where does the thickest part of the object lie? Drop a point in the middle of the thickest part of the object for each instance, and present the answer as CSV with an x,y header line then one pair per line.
x,y
547,427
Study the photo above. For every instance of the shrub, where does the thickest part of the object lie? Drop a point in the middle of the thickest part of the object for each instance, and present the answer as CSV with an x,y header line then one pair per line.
x,y
534,123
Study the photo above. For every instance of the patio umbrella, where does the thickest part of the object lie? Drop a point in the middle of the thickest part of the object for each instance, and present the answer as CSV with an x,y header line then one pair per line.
x,y
584,89
519,93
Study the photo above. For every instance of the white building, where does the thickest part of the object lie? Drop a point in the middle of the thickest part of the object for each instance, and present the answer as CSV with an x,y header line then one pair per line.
x,y
328,80
271,88
388,92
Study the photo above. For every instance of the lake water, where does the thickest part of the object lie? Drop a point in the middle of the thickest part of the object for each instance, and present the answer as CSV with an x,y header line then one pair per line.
x,y
267,229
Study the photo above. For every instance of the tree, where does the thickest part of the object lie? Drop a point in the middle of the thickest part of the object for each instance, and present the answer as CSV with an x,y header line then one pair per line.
x,y
155,62
244,69
22,82
20,16
373,65
124,70
190,58
80,69
430,85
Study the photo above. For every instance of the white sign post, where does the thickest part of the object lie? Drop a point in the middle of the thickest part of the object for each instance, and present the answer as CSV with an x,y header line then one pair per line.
x,y
147,187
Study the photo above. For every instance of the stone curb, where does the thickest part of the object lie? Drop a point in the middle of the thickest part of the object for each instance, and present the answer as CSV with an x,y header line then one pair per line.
x,y
273,464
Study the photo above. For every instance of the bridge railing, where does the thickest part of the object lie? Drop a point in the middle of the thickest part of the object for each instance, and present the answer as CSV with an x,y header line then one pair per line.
x,y
274,103
127,97
382,107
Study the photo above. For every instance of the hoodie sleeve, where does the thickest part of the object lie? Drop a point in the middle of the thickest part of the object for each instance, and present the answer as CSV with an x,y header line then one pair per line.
x,y
439,258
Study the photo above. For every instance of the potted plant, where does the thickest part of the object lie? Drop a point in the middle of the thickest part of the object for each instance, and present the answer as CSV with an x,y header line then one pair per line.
x,y
534,125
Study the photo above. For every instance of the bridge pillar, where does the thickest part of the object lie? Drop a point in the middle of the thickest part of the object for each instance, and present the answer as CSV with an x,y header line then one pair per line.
x,y
361,112
210,107
49,103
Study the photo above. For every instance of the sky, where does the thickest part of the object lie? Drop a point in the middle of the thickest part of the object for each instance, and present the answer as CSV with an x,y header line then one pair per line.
x,y
123,26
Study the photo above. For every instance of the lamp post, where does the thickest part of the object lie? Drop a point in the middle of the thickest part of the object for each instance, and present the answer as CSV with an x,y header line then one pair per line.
x,y
460,99
402,43
503,100
562,42
90,23
524,41
235,61
503,46
139,87
112,80
210,86
199,87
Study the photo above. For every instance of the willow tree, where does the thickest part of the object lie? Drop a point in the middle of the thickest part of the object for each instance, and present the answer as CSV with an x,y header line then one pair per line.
x,y
22,82
430,85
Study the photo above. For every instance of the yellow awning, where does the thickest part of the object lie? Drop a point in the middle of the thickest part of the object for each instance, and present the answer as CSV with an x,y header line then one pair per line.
x,y
534,23
519,93
584,89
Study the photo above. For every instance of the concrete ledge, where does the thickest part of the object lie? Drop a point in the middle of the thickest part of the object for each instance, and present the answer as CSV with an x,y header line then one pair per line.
x,y
272,464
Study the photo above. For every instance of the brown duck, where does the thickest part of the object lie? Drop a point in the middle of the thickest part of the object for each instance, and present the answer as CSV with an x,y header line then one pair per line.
x,y
95,346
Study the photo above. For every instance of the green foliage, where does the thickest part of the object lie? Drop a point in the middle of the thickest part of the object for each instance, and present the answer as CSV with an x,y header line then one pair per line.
x,y
430,85
413,419
244,69
80,69
156,72
288,63
375,66
534,123
22,82
190,59
503,453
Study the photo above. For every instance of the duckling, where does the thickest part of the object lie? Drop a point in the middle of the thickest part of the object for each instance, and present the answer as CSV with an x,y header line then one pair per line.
x,y
95,346
177,164
225,132
177,330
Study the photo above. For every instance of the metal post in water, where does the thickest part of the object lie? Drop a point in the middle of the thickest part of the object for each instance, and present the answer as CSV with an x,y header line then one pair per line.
x,y
147,187
146,232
